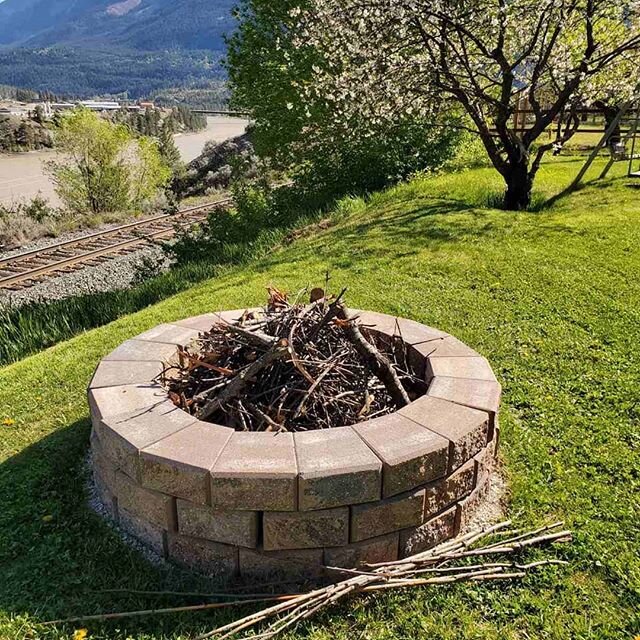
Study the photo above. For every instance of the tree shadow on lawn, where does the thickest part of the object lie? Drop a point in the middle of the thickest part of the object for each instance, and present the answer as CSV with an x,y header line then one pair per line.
x,y
56,554
403,229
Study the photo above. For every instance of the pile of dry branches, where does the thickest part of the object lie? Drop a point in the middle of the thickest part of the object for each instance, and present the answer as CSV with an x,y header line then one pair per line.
x,y
292,367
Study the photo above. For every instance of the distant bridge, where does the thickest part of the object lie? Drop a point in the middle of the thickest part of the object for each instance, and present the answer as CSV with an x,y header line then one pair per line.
x,y
219,112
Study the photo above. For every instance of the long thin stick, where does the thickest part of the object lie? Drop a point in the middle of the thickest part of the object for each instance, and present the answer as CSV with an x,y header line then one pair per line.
x,y
147,612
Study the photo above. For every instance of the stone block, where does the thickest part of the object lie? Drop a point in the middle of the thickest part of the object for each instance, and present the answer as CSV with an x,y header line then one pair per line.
x,y
133,350
104,477
383,549
485,462
305,530
263,564
171,334
434,531
256,472
453,488
112,401
466,429
156,508
448,347
231,527
149,534
209,558
205,321
467,508
411,455
474,368
117,373
180,464
335,468
477,394
124,435
410,331
379,518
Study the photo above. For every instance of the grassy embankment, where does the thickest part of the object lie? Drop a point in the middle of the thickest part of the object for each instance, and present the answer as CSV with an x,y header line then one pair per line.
x,y
551,298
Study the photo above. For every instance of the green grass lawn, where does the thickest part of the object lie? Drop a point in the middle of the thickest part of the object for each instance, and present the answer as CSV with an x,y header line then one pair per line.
x,y
551,298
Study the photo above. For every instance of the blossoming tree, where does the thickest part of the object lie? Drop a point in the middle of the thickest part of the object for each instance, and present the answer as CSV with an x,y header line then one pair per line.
x,y
381,58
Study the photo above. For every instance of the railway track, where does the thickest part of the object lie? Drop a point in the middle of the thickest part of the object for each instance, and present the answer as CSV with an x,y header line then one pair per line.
x,y
27,269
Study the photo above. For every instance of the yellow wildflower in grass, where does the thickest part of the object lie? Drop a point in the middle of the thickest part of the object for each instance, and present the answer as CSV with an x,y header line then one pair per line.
x,y
8,422
80,634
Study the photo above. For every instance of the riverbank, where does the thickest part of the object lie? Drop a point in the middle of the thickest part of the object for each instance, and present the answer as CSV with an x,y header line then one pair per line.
x,y
22,175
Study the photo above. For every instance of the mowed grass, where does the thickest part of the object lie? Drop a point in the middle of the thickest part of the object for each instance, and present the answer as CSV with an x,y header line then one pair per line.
x,y
552,298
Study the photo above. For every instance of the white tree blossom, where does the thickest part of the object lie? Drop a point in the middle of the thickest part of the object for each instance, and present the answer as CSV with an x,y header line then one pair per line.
x,y
382,58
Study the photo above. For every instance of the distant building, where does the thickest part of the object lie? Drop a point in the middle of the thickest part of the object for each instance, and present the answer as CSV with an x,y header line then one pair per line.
x,y
146,105
100,106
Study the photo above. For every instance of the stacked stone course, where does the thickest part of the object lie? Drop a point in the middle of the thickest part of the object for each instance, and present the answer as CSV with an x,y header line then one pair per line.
x,y
230,503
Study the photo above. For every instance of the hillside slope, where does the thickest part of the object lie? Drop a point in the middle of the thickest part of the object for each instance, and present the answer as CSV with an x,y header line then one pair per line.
x,y
551,298
146,25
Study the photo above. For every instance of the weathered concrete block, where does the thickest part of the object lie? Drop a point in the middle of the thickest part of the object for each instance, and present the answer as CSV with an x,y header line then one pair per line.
x,y
379,518
231,527
467,508
475,368
180,464
335,468
410,331
263,564
448,347
125,435
207,320
256,472
172,334
411,454
117,373
112,401
383,549
151,535
477,394
445,492
210,558
485,462
156,508
305,530
104,476
142,350
427,535
465,428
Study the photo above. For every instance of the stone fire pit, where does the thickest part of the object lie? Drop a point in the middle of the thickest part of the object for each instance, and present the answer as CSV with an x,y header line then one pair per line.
x,y
226,502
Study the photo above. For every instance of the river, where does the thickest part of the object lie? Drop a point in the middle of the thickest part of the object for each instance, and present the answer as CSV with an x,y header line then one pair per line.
x,y
22,176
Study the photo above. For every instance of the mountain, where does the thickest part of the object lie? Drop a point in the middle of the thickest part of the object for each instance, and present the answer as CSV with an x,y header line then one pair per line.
x,y
134,24
87,47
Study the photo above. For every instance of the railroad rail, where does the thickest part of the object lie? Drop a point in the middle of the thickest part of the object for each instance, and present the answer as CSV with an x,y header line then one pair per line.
x,y
24,270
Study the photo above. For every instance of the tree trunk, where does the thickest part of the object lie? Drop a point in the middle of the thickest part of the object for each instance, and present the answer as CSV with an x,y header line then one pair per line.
x,y
519,185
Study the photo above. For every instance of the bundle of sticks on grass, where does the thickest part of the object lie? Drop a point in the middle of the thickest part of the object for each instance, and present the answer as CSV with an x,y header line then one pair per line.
x,y
488,554
454,561
293,367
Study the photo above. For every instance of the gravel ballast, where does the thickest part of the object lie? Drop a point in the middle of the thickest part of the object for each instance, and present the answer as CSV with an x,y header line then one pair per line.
x,y
116,273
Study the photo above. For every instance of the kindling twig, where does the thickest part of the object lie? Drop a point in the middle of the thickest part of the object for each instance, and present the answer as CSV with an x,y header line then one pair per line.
x,y
403,574
429,568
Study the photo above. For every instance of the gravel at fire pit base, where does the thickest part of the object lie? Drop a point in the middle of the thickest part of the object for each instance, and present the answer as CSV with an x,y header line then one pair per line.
x,y
117,273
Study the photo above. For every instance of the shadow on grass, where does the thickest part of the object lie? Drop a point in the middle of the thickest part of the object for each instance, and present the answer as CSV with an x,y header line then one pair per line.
x,y
57,556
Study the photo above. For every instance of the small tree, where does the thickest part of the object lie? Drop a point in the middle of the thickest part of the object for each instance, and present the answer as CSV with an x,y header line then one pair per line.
x,y
167,146
382,58
104,168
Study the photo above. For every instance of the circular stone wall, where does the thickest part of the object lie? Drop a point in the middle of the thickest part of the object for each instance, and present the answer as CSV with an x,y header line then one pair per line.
x,y
231,503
